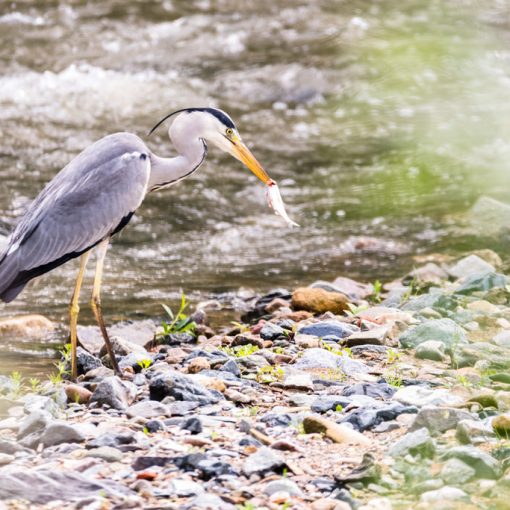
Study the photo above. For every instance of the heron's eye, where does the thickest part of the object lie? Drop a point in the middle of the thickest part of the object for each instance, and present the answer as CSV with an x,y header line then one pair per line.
x,y
229,132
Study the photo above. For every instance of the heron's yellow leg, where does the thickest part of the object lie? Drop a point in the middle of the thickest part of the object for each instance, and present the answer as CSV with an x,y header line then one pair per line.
x,y
74,310
95,302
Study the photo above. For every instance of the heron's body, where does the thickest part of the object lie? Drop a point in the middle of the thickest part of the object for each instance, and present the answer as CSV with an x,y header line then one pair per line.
x,y
88,201
96,194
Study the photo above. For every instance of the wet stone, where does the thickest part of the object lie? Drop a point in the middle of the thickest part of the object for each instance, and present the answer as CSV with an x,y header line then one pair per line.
x,y
85,361
482,282
468,266
209,466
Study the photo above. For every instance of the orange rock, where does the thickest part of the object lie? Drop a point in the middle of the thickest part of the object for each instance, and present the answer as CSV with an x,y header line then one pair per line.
x,y
319,300
198,364
78,394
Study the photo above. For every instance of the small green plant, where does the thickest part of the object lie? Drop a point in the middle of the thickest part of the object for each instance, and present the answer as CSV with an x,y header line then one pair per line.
x,y
179,322
279,350
17,383
354,310
246,506
240,350
375,297
61,365
254,410
243,328
339,351
35,385
270,374
339,408
394,377
214,435
145,430
392,356
144,363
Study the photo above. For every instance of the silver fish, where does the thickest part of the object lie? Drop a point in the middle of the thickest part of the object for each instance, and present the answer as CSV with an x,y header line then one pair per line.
x,y
274,199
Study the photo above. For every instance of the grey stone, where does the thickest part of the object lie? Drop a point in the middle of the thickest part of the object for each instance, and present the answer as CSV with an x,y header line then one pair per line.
x,y
328,329
429,273
456,472
375,390
472,264
271,331
496,356
36,421
208,502
474,432
41,486
85,361
114,392
148,409
5,459
325,403
484,464
185,488
112,439
374,336
298,380
439,419
263,461
502,338
442,330
107,453
317,358
482,282
122,347
431,349
420,396
444,494
282,485
181,387
414,443
352,367
33,402
60,432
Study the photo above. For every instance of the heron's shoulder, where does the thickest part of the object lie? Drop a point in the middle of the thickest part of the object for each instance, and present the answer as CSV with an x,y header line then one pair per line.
x,y
112,150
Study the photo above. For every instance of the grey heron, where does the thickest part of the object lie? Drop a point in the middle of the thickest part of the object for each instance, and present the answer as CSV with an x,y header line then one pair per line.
x,y
94,197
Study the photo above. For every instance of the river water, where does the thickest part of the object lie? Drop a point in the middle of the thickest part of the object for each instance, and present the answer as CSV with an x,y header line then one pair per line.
x,y
383,122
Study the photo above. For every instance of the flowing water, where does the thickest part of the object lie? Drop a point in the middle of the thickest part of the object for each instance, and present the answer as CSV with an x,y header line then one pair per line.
x,y
383,122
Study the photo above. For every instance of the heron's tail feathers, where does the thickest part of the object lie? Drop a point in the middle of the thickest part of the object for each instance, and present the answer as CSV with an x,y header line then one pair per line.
x,y
9,271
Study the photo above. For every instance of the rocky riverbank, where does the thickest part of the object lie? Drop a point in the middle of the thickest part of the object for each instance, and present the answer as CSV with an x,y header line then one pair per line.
x,y
337,396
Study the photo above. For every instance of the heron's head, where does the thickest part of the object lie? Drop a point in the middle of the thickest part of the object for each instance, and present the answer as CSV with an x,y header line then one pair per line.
x,y
216,127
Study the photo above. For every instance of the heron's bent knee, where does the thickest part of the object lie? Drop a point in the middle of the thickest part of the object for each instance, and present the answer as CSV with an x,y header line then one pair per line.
x,y
95,302
74,309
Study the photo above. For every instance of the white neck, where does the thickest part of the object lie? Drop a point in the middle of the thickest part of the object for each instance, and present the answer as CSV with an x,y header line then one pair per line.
x,y
168,171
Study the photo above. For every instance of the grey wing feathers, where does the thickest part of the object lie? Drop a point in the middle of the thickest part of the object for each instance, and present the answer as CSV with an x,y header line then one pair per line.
x,y
90,199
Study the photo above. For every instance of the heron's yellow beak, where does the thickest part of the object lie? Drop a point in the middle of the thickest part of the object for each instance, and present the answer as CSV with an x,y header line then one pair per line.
x,y
243,154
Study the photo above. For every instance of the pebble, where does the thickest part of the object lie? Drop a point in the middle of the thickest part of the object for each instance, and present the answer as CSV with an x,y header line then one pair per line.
x,y
431,349
31,326
107,453
283,485
60,432
148,409
77,394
